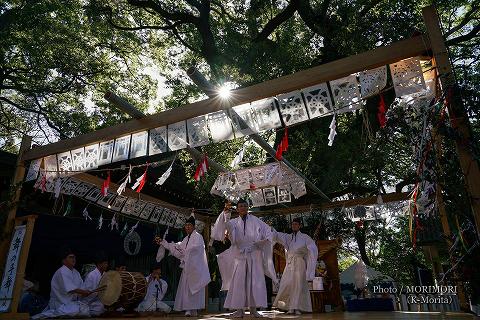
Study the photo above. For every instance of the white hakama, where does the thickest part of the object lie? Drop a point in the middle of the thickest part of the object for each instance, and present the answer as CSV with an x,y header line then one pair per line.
x,y
244,265
153,300
91,283
301,254
62,303
195,275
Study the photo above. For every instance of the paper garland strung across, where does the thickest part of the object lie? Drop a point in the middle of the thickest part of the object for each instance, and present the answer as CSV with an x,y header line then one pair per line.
x,y
118,202
197,131
122,148
132,238
157,212
257,198
139,144
105,152
346,94
407,77
177,136
78,159
82,189
157,141
267,115
269,196
372,81
91,156
292,108
220,126
51,169
249,124
69,186
138,207
147,210
33,170
65,163
129,205
318,100
283,193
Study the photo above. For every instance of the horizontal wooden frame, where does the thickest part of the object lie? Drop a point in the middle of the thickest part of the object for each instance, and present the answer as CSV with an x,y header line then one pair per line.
x,y
380,56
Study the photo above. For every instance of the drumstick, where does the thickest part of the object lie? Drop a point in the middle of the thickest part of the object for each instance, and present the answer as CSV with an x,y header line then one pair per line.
x,y
99,289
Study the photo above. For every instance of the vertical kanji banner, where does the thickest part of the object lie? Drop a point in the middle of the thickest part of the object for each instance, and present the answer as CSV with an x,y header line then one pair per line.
x,y
10,273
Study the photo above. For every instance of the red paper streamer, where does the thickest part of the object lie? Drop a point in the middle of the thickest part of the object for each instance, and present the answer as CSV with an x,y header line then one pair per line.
x,y
283,146
201,169
106,185
381,112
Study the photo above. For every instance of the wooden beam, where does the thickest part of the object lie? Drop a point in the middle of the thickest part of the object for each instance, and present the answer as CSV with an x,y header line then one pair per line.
x,y
458,116
389,197
299,80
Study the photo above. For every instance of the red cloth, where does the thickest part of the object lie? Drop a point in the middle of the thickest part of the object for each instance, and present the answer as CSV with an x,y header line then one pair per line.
x,y
381,112
142,182
282,146
106,185
202,169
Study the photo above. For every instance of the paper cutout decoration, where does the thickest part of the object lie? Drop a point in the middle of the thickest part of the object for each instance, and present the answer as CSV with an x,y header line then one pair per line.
x,y
147,210
266,114
78,159
106,200
65,163
123,185
271,174
51,169
284,194
244,120
82,189
242,178
129,205
333,131
298,189
197,131
40,184
257,198
180,222
50,184
118,202
172,218
138,207
164,217
122,148
157,213
269,196
92,153
157,141
346,94
177,136
220,126
407,77
372,81
33,170
165,175
139,144
292,108
258,176
105,153
70,186
318,100
94,194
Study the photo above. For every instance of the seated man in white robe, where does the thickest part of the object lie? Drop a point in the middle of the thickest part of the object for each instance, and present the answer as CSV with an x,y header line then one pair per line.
x,y
244,265
66,292
91,283
301,255
195,274
156,290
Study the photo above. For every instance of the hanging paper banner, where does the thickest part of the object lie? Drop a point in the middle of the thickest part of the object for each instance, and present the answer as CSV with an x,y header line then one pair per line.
x,y
147,210
94,194
220,126
122,148
139,144
258,176
157,212
244,120
105,152
257,198
284,194
267,115
51,169
106,200
298,189
164,217
139,206
242,178
118,202
177,136
318,100
33,170
407,77
373,81
78,159
197,131
271,174
157,141
82,189
69,186
92,154
180,222
292,108
346,94
129,205
65,163
269,196
41,181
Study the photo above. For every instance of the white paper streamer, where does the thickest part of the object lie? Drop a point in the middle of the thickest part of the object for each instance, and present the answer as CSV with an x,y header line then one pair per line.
x,y
123,185
333,132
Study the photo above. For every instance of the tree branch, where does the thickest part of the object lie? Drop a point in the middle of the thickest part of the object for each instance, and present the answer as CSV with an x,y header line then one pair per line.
x,y
466,19
280,18
466,37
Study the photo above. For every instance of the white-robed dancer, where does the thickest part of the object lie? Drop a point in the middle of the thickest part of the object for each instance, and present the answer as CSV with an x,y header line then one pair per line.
x,y
195,275
66,291
91,283
244,265
301,255
155,292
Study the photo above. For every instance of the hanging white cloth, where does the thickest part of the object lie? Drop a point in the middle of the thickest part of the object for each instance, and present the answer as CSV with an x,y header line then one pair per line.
x,y
301,255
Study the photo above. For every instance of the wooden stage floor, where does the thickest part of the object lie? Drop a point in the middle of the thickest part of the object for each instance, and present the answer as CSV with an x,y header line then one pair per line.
x,y
398,315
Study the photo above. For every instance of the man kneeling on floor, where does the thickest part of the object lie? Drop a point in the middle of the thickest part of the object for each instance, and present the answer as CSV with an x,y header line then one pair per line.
x,y
156,290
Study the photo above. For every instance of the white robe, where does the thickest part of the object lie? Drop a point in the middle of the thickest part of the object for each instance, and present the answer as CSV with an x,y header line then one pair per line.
x,y
301,254
244,265
151,301
195,275
91,283
62,303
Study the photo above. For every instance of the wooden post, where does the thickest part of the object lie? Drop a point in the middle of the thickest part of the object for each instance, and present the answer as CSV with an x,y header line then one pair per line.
x,y
16,188
458,116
